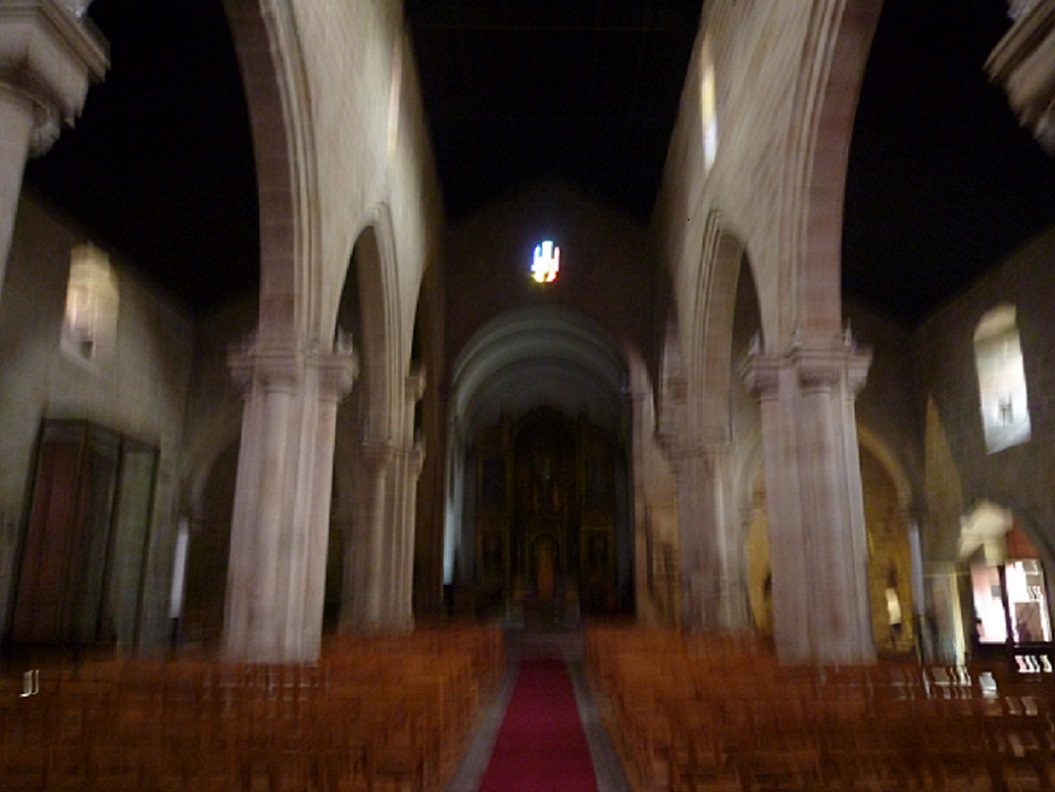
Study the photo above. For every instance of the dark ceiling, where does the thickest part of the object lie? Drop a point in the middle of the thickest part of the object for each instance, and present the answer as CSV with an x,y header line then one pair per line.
x,y
160,165
942,183
581,91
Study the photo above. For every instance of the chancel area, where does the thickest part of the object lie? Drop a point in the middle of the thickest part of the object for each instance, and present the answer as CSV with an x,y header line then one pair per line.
x,y
367,363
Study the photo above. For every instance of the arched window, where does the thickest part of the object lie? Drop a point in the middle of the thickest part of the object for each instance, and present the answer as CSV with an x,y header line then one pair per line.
x,y
1001,380
89,328
708,105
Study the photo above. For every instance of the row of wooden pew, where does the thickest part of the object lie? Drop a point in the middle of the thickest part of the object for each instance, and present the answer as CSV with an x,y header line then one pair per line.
x,y
375,713
718,712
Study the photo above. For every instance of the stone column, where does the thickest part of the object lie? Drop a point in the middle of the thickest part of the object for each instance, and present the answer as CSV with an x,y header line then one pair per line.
x,y
279,527
402,615
644,593
392,537
48,58
334,381
712,590
410,460
397,549
818,543
368,591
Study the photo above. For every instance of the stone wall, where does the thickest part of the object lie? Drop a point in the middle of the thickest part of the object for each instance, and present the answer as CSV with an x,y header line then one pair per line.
x,y
607,267
960,471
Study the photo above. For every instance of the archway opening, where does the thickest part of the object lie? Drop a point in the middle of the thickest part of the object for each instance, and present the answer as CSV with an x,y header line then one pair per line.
x,y
539,516
208,551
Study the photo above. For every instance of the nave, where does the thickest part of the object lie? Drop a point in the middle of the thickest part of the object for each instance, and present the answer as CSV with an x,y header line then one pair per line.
x,y
524,647
660,709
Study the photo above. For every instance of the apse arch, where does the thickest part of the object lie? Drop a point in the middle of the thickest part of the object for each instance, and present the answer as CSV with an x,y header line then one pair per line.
x,y
519,358
544,356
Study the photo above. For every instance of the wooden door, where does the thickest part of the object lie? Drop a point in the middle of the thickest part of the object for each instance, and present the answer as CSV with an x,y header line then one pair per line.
x,y
69,577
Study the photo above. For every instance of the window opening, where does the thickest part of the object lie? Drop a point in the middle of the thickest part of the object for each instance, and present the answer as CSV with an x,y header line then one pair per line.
x,y
708,105
1024,610
90,323
1001,380
545,264
394,92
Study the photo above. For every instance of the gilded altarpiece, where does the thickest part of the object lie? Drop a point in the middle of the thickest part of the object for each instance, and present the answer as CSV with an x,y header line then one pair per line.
x,y
545,514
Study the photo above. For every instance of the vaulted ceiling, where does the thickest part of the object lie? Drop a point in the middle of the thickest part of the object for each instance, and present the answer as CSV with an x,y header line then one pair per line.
x,y
942,182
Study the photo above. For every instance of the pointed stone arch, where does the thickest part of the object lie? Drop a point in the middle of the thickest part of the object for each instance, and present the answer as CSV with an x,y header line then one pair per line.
x,y
521,360
276,88
839,40
672,382
724,261
370,446
371,274
427,357
871,442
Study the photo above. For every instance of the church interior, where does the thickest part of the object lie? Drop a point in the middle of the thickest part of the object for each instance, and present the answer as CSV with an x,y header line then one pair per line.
x,y
355,354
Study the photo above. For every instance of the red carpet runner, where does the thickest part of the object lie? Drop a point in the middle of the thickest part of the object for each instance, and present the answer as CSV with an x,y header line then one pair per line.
x,y
541,746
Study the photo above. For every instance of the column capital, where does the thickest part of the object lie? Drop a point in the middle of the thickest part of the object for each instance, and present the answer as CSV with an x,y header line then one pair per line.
x,y
683,450
275,368
337,372
761,374
50,57
416,457
828,365
677,388
378,456
816,365
415,383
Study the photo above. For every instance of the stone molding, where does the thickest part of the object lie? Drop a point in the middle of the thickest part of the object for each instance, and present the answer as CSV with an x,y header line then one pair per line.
x,y
275,368
415,383
282,369
337,373
50,57
416,458
377,456
816,367
1023,64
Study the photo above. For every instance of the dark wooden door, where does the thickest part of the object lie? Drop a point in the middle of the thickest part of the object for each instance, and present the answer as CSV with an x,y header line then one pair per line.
x,y
67,548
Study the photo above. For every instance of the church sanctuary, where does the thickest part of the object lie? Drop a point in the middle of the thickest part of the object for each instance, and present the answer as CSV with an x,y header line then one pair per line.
x,y
527,395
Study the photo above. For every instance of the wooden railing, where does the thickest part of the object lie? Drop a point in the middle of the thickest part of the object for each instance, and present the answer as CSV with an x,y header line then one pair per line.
x,y
717,712
376,713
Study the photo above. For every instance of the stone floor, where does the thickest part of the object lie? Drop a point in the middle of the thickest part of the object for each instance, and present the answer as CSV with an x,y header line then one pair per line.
x,y
524,643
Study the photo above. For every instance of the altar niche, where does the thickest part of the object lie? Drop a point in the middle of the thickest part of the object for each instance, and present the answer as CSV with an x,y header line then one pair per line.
x,y
546,517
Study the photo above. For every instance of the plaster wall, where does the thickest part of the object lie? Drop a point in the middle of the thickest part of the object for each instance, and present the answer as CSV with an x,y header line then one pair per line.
x,y
141,393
